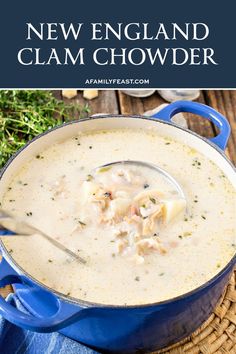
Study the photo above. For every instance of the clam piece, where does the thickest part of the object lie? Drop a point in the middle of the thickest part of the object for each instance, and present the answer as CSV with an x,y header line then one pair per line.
x,y
94,193
59,187
150,224
146,245
148,195
122,245
150,208
175,95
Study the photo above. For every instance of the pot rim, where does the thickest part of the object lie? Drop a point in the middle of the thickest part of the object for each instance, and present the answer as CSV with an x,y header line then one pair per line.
x,y
84,303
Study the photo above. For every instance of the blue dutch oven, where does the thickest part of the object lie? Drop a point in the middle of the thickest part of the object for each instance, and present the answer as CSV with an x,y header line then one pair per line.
x,y
117,328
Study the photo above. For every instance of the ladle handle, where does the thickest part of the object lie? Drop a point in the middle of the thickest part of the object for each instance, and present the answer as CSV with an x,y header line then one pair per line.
x,y
200,109
10,225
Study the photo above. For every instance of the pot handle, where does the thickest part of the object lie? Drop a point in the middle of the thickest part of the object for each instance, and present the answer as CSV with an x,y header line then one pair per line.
x,y
64,315
205,111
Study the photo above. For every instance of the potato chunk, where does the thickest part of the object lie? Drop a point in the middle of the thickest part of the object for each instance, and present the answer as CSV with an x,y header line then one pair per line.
x,y
172,208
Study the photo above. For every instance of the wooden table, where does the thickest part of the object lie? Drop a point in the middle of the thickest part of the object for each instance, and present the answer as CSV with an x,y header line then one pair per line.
x,y
115,102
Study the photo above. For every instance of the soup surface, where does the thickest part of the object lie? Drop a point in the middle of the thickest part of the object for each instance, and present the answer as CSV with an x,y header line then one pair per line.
x,y
142,242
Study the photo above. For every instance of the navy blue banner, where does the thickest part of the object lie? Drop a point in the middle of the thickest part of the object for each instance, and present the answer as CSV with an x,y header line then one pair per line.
x,y
117,44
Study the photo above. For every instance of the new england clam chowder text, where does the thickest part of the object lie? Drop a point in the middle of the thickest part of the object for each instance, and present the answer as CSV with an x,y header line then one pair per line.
x,y
157,44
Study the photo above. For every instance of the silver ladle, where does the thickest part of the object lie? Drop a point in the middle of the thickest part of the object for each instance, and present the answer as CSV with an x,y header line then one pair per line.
x,y
22,228
151,166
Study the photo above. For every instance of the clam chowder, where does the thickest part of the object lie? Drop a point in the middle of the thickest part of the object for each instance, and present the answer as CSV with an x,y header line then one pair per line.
x,y
142,241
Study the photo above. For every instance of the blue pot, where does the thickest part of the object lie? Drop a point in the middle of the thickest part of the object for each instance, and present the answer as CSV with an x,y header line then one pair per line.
x,y
118,328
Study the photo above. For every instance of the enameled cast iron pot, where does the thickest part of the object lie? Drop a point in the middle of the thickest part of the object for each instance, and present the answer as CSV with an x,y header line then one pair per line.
x,y
118,328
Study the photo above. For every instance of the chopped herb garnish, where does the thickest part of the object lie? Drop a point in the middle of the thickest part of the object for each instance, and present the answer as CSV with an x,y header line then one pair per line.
x,y
104,169
89,178
25,184
218,265
113,255
145,185
137,278
168,143
82,223
90,147
153,200
203,217
186,234
196,163
180,236
195,201
12,200
68,294
9,188
39,157
50,260
161,274
29,213
185,219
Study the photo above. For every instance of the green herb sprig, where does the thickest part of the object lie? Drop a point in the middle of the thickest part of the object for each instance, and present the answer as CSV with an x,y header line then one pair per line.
x,y
27,113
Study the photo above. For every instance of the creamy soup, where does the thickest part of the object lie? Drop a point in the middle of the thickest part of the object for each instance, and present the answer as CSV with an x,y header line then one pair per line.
x,y
142,241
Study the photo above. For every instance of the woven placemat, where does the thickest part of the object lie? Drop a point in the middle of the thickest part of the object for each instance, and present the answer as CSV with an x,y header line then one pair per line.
x,y
218,334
